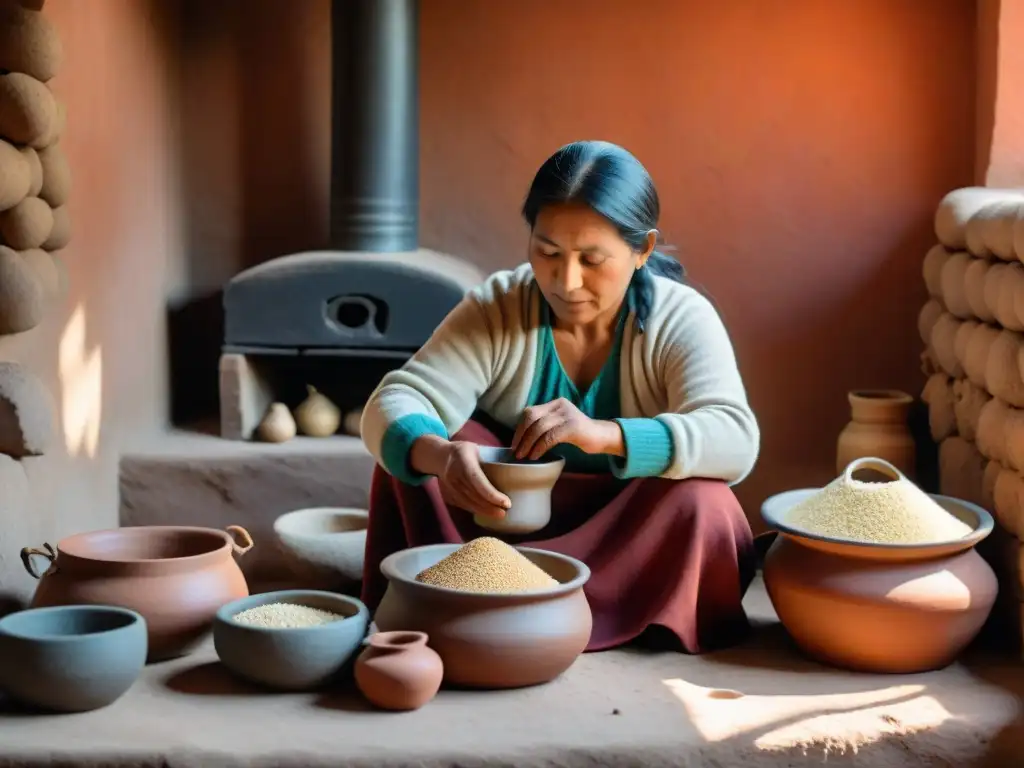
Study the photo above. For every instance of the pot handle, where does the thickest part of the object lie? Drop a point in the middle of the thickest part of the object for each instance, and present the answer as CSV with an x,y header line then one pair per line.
x,y
871,462
240,532
47,552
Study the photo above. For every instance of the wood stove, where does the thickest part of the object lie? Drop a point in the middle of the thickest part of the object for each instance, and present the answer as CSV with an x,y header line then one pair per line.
x,y
339,319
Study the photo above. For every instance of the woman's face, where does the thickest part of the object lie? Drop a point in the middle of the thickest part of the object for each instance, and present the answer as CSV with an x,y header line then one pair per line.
x,y
582,264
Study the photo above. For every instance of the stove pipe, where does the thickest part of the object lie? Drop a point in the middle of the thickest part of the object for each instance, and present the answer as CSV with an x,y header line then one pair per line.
x,y
375,125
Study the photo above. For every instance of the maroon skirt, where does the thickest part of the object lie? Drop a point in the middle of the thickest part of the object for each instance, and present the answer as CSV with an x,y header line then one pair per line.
x,y
670,560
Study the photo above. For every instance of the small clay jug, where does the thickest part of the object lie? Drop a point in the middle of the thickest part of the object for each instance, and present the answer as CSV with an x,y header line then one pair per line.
x,y
879,427
398,670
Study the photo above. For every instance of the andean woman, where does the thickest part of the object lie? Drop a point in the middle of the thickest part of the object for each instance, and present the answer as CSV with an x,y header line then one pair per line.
x,y
597,351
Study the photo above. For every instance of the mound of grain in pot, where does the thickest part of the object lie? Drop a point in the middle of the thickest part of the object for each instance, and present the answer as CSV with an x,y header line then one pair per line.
x,y
285,616
486,565
896,512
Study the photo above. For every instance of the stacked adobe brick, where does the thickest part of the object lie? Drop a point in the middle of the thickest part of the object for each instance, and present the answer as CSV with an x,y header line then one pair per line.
x,y
973,330
34,225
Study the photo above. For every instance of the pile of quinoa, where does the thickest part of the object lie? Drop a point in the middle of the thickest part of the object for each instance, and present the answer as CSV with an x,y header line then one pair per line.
x,y
285,616
896,512
486,565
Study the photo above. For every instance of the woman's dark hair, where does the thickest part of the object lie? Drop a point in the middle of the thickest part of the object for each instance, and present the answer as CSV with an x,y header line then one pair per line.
x,y
613,183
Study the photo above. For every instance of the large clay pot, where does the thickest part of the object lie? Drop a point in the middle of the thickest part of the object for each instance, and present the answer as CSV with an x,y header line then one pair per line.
x,y
879,428
398,670
897,608
491,640
176,577
528,486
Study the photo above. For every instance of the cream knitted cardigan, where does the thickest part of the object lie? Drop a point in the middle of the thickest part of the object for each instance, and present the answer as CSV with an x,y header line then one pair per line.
x,y
681,370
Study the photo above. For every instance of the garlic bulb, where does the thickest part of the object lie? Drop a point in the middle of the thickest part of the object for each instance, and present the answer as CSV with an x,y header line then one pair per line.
x,y
352,420
277,426
317,416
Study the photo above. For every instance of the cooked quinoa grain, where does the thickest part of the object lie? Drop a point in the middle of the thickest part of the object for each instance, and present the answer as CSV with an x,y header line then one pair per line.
x,y
285,616
486,565
895,512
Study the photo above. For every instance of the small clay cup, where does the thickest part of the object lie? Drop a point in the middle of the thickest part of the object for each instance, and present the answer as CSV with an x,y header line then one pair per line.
x,y
292,658
528,486
71,658
399,671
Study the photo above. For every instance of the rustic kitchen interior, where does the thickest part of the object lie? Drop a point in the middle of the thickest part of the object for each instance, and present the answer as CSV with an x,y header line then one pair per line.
x,y
804,152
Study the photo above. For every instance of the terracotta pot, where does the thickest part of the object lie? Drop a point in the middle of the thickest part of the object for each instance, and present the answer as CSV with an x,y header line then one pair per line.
x,y
491,640
176,577
528,486
398,670
897,608
878,427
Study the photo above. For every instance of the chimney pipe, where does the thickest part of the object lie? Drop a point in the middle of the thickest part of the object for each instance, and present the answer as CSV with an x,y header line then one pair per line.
x,y
374,125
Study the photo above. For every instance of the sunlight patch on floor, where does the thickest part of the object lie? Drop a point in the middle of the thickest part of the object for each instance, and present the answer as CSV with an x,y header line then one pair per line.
x,y
833,722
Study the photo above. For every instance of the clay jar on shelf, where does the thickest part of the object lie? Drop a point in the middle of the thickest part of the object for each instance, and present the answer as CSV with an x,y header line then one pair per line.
x,y
878,428
176,577
398,670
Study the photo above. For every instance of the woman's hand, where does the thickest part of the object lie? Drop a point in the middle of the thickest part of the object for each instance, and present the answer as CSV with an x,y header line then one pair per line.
x,y
456,464
464,484
542,427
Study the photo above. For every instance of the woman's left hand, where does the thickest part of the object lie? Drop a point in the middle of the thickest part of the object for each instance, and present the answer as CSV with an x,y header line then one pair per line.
x,y
542,427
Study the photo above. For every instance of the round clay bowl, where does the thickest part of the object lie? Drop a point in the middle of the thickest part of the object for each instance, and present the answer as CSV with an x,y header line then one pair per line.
x,y
324,544
71,658
888,608
528,486
491,640
776,508
176,577
290,659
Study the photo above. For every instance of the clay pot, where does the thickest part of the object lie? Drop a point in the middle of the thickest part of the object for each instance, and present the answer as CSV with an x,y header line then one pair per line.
x,y
491,640
398,670
890,608
176,577
528,486
878,428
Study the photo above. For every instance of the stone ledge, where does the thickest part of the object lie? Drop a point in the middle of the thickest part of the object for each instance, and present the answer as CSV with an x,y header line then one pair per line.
x,y
191,478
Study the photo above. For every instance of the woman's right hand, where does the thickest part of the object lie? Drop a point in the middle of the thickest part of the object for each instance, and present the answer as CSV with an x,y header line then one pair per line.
x,y
463,483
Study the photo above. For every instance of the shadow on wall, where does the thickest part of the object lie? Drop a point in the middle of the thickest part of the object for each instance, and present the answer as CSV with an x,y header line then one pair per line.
x,y
254,135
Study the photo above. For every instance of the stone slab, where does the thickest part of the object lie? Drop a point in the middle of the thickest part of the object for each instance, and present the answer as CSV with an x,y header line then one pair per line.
x,y
190,478
760,704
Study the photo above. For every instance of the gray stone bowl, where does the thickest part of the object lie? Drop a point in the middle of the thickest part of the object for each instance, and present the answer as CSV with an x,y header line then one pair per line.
x,y
71,658
290,659
324,545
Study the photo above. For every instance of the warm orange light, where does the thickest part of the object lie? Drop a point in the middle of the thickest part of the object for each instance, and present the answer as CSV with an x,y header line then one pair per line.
x,y
81,381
